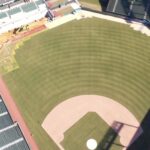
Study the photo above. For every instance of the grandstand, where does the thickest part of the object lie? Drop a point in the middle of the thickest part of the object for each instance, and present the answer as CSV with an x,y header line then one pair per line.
x,y
5,2
17,13
21,13
11,137
138,9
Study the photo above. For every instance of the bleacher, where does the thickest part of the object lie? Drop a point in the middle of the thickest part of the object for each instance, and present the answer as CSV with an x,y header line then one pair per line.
x,y
5,121
17,3
39,2
136,9
29,7
19,146
19,12
11,137
14,11
3,15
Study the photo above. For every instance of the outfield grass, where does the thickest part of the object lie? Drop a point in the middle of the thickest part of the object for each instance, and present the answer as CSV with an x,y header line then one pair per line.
x,y
89,56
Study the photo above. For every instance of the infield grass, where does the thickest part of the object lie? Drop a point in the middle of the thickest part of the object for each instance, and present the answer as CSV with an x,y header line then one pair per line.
x,y
91,126
89,56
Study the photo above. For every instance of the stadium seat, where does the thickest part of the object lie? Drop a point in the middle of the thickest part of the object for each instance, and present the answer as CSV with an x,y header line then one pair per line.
x,y
14,11
3,15
29,7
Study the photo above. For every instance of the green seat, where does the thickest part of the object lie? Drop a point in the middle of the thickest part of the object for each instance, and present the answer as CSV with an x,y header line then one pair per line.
x,y
14,11
29,7
3,15
39,2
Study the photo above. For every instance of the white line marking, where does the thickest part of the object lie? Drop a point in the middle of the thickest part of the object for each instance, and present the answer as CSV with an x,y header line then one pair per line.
x,y
12,143
116,2
3,114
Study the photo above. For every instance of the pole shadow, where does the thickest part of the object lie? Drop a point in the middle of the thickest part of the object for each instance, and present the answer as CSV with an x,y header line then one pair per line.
x,y
110,136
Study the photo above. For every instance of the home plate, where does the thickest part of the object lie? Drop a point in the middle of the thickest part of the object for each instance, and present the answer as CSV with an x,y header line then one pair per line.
x,y
91,144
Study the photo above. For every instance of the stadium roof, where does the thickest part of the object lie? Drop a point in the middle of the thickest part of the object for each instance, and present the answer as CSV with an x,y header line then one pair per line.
x,y
139,9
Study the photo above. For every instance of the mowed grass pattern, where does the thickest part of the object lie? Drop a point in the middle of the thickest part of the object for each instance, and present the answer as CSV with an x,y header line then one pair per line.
x,y
89,56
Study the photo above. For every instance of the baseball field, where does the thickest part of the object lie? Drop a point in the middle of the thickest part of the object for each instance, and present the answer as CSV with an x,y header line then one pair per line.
x,y
89,56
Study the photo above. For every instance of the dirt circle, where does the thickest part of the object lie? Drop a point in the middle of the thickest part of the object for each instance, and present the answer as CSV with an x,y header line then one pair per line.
x,y
67,113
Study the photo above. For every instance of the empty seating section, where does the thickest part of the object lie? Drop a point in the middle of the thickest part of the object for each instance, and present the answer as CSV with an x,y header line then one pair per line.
x,y
138,9
3,15
17,3
19,146
14,11
110,6
5,121
65,11
21,12
134,8
123,7
29,7
2,107
11,137
39,2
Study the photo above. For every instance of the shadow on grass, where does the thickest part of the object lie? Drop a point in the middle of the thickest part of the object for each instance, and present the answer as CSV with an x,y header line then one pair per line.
x,y
110,137
141,143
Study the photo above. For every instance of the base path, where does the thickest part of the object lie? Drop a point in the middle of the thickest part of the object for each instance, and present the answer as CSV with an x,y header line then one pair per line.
x,y
67,113
15,114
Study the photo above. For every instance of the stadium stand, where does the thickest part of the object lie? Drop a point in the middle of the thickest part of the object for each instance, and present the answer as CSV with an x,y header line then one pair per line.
x,y
29,7
14,11
3,15
5,2
136,9
3,7
22,12
11,137
16,3
39,2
